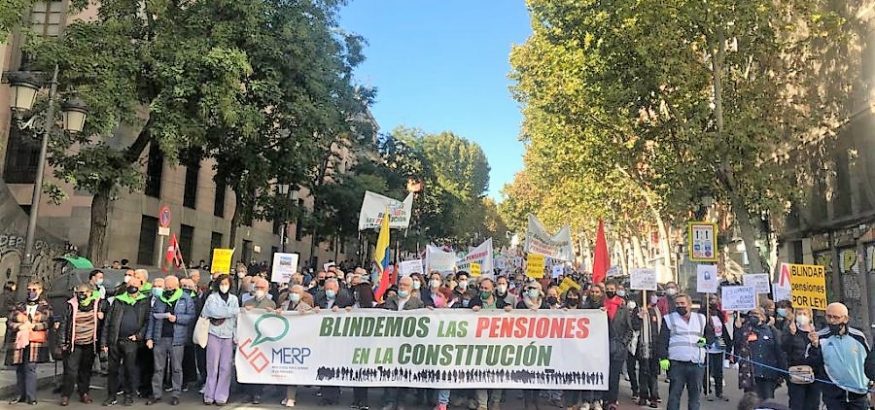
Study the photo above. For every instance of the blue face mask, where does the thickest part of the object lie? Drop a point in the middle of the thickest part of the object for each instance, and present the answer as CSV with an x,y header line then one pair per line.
x,y
330,294
403,294
157,292
782,312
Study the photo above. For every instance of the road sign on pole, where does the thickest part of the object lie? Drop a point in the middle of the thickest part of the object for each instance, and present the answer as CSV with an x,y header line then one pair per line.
x,y
702,242
164,221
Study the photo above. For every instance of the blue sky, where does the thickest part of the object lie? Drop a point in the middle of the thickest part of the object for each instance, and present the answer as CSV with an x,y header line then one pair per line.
x,y
442,65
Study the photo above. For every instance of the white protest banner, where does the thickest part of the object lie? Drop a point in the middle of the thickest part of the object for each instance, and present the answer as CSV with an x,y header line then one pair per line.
x,y
706,278
433,349
555,246
557,271
325,266
374,205
760,281
411,267
481,255
780,293
642,279
437,259
284,266
738,298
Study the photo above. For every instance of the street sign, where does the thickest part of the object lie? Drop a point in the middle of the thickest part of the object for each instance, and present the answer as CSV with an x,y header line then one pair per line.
x,y
702,242
164,216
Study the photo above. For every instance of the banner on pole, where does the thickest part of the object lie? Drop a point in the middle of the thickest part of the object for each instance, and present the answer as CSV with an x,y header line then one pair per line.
x,y
439,260
408,268
284,266
702,242
738,298
807,286
642,279
481,255
706,278
441,349
555,246
760,282
374,205
221,260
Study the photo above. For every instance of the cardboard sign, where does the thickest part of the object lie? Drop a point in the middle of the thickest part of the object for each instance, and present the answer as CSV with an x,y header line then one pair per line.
x,y
221,260
284,266
706,279
408,268
535,266
567,284
557,271
475,269
702,242
739,298
760,282
807,286
642,279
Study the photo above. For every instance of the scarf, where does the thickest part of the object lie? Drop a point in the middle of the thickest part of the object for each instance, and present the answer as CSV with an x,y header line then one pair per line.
x,y
127,298
612,305
531,304
173,298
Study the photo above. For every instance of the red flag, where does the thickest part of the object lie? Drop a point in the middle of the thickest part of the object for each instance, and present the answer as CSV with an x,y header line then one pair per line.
x,y
600,261
173,256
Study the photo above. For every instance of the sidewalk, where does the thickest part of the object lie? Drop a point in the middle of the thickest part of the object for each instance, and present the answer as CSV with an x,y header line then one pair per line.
x,y
45,374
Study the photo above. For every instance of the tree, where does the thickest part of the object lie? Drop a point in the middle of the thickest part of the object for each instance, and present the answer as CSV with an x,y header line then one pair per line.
x,y
684,99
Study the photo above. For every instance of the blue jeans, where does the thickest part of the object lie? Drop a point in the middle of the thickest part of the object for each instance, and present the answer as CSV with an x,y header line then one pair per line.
x,y
684,375
443,396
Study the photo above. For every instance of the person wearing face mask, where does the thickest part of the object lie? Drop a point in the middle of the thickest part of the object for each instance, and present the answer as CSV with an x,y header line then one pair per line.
x,y
757,350
680,347
145,356
645,352
716,347
82,320
432,296
124,332
502,291
533,299
592,399
333,298
317,285
295,303
666,303
221,308
796,343
552,298
403,300
619,335
486,300
260,300
27,338
190,365
846,360
167,334
783,315
95,279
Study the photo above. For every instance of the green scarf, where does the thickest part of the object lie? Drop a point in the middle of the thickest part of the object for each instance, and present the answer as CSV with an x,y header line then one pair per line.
x,y
173,298
127,298
95,295
146,288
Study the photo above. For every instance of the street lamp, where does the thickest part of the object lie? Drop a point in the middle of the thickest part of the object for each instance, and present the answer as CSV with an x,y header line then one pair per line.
x,y
24,86
283,191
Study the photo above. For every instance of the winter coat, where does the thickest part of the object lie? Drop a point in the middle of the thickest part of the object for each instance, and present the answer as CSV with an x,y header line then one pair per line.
x,y
38,348
185,312
112,321
756,354
798,353
412,303
67,327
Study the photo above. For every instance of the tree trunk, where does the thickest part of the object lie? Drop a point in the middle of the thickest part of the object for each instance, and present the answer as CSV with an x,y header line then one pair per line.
x,y
640,260
100,204
235,222
621,244
664,245
749,228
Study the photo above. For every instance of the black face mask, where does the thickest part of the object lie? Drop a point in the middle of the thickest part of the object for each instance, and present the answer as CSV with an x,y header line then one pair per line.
x,y
133,289
320,282
836,329
551,300
81,296
168,293
681,310
610,294
754,321
572,301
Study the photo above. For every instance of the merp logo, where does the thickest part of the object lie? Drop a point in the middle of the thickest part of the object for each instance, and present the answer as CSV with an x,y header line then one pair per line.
x,y
268,328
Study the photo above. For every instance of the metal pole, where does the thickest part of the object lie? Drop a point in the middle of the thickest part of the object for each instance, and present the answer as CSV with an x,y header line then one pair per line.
x,y
26,272
708,355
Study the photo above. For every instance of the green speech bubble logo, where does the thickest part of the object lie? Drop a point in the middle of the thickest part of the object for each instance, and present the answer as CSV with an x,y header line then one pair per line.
x,y
267,332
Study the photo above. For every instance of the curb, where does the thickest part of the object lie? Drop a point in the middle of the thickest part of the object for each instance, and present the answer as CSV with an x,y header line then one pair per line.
x,y
7,392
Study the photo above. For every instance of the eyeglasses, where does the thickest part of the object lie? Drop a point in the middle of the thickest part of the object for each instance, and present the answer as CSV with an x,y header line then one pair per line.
x,y
837,317
33,289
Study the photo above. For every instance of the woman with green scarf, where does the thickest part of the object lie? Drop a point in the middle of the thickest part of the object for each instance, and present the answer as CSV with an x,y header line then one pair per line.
x,y
83,317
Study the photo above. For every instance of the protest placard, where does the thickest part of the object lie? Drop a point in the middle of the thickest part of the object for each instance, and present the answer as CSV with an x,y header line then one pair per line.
x,y
539,241
535,264
557,271
706,278
642,279
437,259
738,298
760,282
807,286
375,205
284,266
221,260
410,267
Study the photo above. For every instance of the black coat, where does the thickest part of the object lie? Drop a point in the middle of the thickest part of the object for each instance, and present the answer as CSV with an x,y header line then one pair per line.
x,y
343,299
113,319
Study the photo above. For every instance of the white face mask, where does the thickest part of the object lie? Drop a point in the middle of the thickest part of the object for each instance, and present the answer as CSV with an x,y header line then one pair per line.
x,y
224,288
435,283
260,294
502,289
803,320
417,284
463,284
251,288
671,291
631,304
621,293
294,297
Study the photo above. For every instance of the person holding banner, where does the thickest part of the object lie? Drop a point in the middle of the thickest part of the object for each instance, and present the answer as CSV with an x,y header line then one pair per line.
x,y
716,348
757,351
432,296
533,299
260,300
802,357
648,319
592,399
221,308
404,300
333,298
619,334
297,304
502,291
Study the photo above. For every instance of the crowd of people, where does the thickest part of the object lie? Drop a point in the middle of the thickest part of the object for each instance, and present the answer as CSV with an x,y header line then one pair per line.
x,y
145,328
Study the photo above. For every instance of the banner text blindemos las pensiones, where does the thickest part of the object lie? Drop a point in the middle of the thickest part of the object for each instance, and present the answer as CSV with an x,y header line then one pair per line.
x,y
546,349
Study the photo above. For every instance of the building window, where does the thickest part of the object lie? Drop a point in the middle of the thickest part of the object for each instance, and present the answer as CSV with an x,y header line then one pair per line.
x,y
277,226
247,251
46,18
186,242
192,168
219,205
146,248
299,226
22,156
215,242
154,169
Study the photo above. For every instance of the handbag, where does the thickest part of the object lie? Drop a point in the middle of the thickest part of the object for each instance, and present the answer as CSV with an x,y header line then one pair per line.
x,y
802,374
201,332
